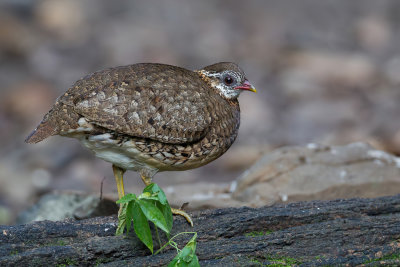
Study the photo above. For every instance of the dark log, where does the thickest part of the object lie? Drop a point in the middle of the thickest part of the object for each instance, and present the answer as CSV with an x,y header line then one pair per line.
x,y
352,232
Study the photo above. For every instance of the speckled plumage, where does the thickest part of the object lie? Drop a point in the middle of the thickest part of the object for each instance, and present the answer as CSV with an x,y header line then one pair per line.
x,y
148,117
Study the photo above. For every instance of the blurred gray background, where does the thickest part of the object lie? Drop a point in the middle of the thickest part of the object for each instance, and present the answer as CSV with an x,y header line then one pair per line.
x,y
325,71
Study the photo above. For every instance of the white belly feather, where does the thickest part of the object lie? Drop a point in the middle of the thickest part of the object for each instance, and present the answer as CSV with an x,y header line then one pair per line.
x,y
107,149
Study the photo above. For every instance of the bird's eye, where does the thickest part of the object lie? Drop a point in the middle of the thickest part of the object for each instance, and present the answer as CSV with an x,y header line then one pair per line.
x,y
229,80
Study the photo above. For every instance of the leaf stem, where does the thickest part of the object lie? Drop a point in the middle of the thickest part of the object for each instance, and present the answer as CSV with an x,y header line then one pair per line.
x,y
169,241
158,236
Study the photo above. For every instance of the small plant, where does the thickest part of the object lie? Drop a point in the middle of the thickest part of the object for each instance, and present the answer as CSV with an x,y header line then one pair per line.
x,y
281,261
393,256
187,255
152,205
258,233
255,261
67,262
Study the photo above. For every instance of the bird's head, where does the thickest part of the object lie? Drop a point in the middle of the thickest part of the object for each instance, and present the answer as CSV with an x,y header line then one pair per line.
x,y
227,78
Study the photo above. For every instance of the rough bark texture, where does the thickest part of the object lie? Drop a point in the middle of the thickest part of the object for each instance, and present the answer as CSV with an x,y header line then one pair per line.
x,y
353,232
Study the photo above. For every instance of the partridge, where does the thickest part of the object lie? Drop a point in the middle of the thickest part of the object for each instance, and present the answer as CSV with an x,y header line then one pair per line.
x,y
151,117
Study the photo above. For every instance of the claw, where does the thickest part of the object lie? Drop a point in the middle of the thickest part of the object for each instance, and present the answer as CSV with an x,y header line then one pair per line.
x,y
183,214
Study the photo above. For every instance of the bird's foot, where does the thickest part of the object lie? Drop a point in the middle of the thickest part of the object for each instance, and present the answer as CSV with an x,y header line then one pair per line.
x,y
183,214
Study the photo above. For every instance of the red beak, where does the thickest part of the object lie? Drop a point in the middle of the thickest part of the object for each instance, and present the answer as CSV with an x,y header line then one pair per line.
x,y
246,86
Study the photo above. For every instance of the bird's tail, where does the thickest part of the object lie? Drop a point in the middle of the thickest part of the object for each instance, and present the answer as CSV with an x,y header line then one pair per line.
x,y
44,130
58,119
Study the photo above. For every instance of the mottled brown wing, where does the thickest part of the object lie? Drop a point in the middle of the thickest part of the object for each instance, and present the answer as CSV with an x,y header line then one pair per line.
x,y
160,102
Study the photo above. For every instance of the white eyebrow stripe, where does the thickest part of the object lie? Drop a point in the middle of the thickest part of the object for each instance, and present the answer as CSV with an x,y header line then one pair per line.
x,y
209,73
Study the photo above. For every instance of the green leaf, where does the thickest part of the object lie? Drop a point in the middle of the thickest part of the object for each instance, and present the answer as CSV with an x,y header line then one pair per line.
x,y
187,256
174,262
155,189
188,252
153,214
166,211
179,262
127,198
194,262
145,194
121,219
149,188
129,215
141,226
148,196
121,227
161,194
161,202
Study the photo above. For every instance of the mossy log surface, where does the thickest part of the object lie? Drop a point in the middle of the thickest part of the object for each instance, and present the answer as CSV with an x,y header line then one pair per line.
x,y
340,232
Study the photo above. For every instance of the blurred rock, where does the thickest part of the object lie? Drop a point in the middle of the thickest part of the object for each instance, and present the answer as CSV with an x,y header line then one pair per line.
x,y
27,101
201,196
395,144
59,206
319,172
308,71
17,38
242,157
16,188
374,33
392,70
62,18
5,215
